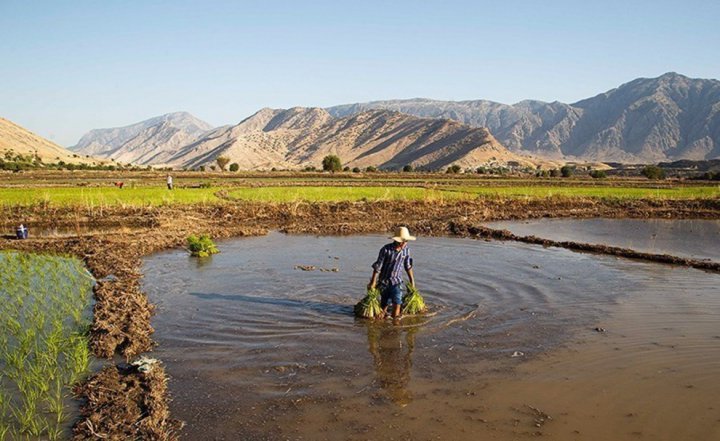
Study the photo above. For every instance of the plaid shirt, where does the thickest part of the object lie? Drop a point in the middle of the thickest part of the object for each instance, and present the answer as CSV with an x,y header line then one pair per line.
x,y
390,263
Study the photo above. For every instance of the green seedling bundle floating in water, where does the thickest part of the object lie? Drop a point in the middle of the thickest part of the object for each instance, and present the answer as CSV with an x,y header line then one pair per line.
x,y
201,246
44,317
412,302
369,306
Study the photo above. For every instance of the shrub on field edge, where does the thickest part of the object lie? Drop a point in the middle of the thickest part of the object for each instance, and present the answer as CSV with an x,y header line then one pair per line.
x,y
234,167
598,174
201,246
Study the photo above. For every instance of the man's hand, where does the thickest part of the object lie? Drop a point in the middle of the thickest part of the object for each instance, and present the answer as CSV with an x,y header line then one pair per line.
x,y
371,285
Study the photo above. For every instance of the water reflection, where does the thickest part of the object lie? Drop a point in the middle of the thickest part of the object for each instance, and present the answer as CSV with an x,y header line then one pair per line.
x,y
391,347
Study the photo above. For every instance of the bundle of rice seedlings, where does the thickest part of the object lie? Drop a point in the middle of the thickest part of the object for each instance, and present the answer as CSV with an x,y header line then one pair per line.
x,y
413,302
369,306
201,246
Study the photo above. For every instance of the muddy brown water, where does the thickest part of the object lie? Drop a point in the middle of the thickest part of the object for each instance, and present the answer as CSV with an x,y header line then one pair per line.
x,y
258,349
694,238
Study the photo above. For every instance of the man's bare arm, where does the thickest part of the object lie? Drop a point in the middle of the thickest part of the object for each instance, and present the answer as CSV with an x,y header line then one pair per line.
x,y
411,275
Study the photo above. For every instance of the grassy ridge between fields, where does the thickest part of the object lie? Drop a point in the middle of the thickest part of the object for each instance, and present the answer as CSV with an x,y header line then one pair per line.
x,y
145,196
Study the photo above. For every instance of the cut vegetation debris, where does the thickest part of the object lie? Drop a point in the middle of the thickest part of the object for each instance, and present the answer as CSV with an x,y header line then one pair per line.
x,y
201,246
412,302
44,346
369,306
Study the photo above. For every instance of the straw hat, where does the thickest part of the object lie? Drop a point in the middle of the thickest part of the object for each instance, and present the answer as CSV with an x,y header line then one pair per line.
x,y
402,234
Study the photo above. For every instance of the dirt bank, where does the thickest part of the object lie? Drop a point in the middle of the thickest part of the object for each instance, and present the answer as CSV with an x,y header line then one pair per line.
x,y
122,312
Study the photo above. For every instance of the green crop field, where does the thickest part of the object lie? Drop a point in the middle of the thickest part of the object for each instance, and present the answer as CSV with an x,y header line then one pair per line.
x,y
43,342
595,192
318,192
329,194
106,196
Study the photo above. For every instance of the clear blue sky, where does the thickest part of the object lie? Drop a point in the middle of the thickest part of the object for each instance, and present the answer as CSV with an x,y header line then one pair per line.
x,y
71,66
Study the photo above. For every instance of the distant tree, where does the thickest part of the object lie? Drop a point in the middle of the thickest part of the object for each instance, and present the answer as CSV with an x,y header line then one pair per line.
x,y
202,168
598,174
356,170
567,170
213,168
371,169
332,163
481,170
653,172
408,168
234,167
454,169
222,161
346,169
554,173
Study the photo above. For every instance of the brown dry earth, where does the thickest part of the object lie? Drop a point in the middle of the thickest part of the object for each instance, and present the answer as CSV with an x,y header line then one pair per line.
x,y
122,403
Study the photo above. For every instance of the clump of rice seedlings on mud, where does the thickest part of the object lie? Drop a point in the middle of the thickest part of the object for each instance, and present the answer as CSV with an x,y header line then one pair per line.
x,y
412,302
201,246
369,306
44,305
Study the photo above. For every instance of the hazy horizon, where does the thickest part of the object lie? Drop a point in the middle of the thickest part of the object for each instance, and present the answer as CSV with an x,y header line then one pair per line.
x,y
75,67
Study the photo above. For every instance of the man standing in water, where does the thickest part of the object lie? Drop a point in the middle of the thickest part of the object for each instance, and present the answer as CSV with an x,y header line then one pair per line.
x,y
387,270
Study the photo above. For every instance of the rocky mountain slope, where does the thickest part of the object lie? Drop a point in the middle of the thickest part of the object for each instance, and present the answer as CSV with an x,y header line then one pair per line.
x,y
646,120
22,141
148,142
299,137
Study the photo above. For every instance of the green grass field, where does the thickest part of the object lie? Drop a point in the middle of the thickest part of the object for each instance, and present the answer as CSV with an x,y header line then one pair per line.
x,y
159,195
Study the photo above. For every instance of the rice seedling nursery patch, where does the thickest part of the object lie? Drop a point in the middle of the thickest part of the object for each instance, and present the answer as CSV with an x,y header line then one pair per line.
x,y
44,322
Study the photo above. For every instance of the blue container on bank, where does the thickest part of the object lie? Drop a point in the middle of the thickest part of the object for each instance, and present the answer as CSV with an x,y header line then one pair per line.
x,y
21,232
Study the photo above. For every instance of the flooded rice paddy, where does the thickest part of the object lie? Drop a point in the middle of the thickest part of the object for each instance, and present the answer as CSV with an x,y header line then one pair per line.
x,y
44,316
694,238
521,341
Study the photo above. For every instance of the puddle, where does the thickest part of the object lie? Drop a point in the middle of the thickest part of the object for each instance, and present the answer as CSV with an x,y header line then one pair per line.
x,y
258,349
697,239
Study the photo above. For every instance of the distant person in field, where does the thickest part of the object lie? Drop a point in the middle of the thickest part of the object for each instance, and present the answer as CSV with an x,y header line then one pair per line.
x,y
170,182
387,271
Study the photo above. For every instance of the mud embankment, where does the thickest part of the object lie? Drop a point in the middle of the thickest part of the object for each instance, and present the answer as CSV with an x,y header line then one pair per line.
x,y
122,313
